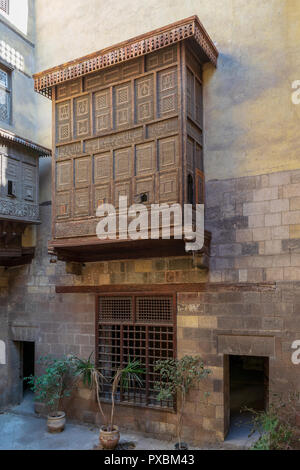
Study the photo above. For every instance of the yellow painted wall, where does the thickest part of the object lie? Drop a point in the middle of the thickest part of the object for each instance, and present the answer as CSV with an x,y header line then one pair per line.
x,y
251,125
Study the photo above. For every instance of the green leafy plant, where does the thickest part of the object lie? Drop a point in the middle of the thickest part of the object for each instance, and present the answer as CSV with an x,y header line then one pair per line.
x,y
274,434
178,377
276,425
56,383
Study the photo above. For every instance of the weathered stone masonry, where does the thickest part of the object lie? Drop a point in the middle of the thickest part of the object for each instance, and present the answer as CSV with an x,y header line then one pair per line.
x,y
251,306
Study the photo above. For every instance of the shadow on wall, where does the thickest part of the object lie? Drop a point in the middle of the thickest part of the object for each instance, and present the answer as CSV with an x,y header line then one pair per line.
x,y
242,81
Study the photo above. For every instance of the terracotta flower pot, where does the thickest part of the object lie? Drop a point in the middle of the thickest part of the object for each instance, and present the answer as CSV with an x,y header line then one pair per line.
x,y
183,446
56,422
109,439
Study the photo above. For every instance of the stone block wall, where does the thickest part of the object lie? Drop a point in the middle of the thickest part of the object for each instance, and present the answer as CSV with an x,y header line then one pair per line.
x,y
252,321
246,309
255,222
65,323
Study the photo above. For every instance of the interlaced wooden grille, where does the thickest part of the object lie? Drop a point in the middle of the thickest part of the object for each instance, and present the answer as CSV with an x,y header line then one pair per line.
x,y
156,309
4,96
147,336
4,5
115,308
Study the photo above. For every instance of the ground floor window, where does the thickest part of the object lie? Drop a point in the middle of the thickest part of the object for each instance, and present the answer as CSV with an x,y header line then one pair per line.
x,y
135,327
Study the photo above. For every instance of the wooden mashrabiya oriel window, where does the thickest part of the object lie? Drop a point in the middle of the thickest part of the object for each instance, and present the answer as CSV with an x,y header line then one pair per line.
x,y
137,327
127,121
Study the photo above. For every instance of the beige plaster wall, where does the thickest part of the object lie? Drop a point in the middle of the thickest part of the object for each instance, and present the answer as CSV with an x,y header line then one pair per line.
x,y
250,122
17,52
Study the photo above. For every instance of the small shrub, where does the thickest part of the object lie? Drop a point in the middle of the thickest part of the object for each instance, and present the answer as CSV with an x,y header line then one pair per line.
x,y
178,377
274,434
55,383
276,426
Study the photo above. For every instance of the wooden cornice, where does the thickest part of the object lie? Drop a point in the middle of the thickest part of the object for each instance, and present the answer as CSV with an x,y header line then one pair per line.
x,y
167,288
8,137
141,45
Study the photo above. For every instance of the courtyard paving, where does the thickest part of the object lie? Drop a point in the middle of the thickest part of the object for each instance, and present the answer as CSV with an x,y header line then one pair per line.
x,y
22,429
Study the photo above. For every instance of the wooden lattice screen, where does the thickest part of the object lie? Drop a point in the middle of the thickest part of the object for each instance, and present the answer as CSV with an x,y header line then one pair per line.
x,y
4,5
138,328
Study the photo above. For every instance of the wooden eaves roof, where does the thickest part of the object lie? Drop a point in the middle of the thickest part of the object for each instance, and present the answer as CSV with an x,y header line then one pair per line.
x,y
141,45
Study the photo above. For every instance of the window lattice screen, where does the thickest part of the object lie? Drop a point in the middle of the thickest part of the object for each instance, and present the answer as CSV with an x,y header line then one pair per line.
x,y
4,106
154,309
115,308
5,102
3,78
4,5
135,328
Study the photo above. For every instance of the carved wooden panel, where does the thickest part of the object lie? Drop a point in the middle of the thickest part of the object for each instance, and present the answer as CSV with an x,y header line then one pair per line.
x,y
167,92
145,160
190,153
123,105
123,163
144,190
198,103
113,75
103,168
194,131
68,89
68,150
64,175
102,111
162,128
63,205
190,93
81,117
63,116
168,153
82,171
19,185
161,58
199,158
81,202
11,171
114,140
144,99
194,97
29,182
102,195
200,188
168,187
122,189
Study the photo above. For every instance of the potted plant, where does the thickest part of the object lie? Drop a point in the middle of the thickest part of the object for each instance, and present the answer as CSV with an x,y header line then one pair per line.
x,y
178,377
91,378
52,386
125,376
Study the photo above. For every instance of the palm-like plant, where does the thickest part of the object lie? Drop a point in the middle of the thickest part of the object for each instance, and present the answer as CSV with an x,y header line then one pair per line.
x,y
126,376
91,378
